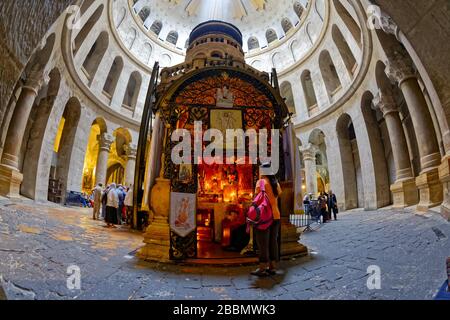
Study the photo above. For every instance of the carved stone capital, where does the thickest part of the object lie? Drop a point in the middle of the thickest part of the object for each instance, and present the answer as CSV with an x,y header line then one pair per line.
x,y
399,67
131,151
385,102
105,140
309,152
34,81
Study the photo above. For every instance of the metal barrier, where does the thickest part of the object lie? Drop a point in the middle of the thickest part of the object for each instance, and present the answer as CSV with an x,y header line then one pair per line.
x,y
307,217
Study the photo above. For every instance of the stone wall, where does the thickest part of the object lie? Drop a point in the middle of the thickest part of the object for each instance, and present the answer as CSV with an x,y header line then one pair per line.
x,y
20,33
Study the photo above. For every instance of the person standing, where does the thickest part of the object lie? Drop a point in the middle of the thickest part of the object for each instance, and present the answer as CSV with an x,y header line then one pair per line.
x,y
104,200
323,207
97,193
129,205
112,206
332,204
121,195
267,240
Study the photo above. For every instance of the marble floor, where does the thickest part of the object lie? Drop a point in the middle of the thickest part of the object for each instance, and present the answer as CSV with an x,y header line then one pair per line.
x,y
39,242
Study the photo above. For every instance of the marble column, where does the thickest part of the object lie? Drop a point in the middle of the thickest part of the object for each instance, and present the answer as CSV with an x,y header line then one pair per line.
x,y
104,140
404,189
309,160
131,165
10,176
399,68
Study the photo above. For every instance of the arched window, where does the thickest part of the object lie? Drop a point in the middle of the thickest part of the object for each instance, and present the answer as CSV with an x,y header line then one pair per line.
x,y
286,25
271,36
348,20
298,8
132,92
344,49
85,6
329,73
172,37
286,93
144,13
86,29
113,77
308,90
156,27
253,43
95,55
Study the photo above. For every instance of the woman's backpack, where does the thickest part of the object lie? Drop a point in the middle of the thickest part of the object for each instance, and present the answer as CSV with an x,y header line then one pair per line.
x,y
260,213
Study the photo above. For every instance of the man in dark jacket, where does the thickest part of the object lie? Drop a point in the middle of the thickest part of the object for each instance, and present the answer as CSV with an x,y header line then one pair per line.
x,y
332,204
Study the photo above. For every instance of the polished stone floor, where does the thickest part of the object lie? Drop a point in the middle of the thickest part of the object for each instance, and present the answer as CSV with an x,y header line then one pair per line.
x,y
39,242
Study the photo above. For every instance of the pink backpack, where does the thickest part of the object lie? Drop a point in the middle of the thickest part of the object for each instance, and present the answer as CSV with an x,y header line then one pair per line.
x,y
260,213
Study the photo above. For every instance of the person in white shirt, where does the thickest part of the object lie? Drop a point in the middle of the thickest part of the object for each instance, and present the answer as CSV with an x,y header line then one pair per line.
x,y
128,202
112,205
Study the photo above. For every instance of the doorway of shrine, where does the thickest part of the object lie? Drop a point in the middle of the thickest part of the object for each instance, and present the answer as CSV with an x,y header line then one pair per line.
x,y
225,192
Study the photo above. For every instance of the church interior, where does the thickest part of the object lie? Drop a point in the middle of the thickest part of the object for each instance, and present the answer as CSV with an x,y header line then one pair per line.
x,y
96,92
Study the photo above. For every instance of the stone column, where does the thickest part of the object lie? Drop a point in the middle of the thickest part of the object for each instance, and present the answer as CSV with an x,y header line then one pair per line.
x,y
400,69
104,140
10,176
131,165
309,159
404,189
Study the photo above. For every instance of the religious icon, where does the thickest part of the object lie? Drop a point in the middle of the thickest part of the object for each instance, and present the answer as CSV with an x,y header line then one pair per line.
x,y
224,97
185,173
182,213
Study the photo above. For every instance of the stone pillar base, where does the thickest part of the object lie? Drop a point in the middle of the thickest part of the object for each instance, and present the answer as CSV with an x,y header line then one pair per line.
x,y
289,240
10,181
444,176
157,241
405,193
430,190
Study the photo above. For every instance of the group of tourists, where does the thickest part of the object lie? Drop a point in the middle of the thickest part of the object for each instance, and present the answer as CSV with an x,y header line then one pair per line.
x,y
114,204
326,205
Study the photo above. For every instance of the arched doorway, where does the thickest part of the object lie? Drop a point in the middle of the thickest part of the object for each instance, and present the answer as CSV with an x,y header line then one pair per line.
x,y
350,162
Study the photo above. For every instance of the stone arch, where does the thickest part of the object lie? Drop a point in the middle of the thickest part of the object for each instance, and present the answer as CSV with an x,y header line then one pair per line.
x,y
309,33
257,64
295,47
317,140
67,143
376,154
149,50
308,90
344,50
86,29
287,94
132,93
121,17
166,60
113,77
95,56
118,155
351,168
329,73
36,160
271,36
90,164
348,20
253,43
277,61
132,38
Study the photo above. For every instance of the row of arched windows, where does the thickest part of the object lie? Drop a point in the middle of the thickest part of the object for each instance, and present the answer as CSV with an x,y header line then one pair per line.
x,y
95,56
271,34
